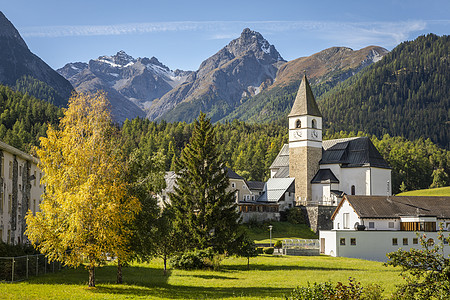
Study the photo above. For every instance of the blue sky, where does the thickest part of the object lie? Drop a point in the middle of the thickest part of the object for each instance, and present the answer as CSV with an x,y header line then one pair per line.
x,y
181,34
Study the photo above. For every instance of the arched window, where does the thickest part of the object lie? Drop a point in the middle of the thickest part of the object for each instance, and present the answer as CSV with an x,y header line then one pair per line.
x,y
314,123
298,124
353,190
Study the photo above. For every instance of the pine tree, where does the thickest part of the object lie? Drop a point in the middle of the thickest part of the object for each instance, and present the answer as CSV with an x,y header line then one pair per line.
x,y
203,205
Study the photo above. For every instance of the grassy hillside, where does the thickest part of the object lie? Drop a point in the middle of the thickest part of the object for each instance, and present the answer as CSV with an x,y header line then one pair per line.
x,y
280,231
269,277
444,191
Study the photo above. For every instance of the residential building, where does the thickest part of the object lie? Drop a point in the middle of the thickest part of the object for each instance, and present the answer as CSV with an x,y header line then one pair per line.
x,y
20,191
368,227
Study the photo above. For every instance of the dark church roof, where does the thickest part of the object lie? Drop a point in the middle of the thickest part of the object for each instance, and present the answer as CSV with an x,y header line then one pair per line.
x,y
304,103
324,176
352,152
398,206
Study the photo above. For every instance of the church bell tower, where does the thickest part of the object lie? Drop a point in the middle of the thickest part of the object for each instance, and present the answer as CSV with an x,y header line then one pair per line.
x,y
305,142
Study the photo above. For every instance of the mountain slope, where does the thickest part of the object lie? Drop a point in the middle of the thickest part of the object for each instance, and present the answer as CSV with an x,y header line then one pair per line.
x,y
325,69
20,67
242,68
405,94
131,84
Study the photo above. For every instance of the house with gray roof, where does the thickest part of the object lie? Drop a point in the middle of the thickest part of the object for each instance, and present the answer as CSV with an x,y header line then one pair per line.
x,y
368,227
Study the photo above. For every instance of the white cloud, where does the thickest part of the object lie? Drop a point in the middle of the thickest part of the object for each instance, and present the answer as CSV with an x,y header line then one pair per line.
x,y
344,33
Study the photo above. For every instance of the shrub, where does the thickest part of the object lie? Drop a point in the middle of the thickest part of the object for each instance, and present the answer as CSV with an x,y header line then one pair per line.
x,y
196,259
372,292
278,244
317,291
295,216
259,250
268,250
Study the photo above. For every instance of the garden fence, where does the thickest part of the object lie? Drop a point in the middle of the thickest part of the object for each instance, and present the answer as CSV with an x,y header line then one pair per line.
x,y
19,268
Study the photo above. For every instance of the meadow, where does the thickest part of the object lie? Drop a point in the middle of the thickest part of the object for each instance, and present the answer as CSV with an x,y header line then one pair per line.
x,y
443,191
269,277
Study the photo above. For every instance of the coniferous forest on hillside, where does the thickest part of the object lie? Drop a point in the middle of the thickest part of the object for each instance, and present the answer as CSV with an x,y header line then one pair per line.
x,y
405,94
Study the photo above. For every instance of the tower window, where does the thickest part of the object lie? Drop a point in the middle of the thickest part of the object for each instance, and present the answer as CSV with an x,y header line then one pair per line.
x,y
298,124
314,123
353,190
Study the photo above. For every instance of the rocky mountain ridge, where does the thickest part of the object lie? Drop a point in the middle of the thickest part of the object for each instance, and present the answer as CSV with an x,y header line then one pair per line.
x,y
19,65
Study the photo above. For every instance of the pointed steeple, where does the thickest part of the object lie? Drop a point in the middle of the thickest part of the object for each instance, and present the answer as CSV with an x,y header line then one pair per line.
x,y
304,103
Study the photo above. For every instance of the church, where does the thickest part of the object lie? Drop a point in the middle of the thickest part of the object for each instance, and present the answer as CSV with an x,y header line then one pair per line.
x,y
323,172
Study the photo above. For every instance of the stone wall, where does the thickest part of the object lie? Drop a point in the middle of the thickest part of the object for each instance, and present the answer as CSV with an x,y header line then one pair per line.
x,y
318,217
303,165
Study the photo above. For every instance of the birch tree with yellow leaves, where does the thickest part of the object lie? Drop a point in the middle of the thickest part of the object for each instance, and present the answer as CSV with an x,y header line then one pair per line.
x,y
85,208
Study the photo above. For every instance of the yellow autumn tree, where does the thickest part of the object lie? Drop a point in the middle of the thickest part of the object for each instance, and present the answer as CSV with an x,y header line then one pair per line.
x,y
85,208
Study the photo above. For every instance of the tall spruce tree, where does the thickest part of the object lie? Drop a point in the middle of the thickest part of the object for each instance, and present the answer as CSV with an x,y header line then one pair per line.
x,y
204,210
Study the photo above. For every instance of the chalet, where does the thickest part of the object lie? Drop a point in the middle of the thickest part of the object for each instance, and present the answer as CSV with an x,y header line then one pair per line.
x,y
20,191
368,227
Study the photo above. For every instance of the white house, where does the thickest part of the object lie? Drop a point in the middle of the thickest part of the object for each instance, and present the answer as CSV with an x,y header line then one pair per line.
x,y
368,227
20,191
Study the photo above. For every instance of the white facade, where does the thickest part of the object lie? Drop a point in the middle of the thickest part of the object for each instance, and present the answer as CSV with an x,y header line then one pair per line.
x,y
372,237
20,191
370,245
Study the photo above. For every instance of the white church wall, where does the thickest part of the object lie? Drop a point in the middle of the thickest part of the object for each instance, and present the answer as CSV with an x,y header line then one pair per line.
x,y
379,178
317,192
305,120
356,177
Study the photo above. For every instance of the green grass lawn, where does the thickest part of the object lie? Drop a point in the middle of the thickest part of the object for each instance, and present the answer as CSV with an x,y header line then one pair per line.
x,y
280,231
270,277
443,191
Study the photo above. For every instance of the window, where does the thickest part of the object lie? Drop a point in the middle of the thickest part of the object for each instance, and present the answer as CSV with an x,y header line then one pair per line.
x,y
353,241
10,170
371,224
314,123
445,241
346,220
405,241
233,185
298,124
391,224
20,170
394,242
415,241
34,205
20,187
342,242
353,192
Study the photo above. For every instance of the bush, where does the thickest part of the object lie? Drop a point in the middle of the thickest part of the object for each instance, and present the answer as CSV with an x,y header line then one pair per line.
x,y
318,291
196,259
295,216
268,250
278,244
326,291
8,250
259,250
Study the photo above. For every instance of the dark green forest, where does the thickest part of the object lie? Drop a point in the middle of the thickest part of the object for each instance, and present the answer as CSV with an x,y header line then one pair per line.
x,y
249,149
405,94
24,119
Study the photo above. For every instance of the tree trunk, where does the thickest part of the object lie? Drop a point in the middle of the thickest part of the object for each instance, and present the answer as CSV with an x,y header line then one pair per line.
x,y
91,275
165,265
119,271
